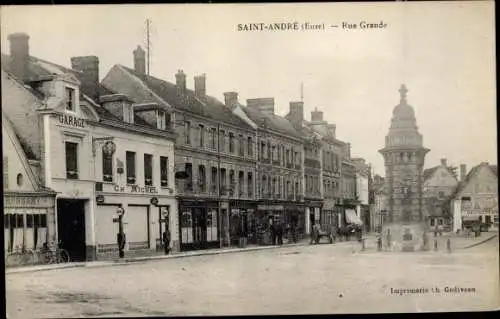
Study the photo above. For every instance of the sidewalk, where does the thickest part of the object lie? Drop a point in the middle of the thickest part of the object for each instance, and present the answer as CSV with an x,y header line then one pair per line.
x,y
126,260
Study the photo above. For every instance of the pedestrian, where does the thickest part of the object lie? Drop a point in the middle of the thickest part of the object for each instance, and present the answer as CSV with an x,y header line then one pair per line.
x,y
272,228
389,238
166,241
279,233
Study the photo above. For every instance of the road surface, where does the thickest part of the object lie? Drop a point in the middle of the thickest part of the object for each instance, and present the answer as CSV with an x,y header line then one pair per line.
x,y
315,279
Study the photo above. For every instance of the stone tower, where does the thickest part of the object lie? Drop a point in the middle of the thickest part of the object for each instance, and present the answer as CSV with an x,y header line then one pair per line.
x,y
404,156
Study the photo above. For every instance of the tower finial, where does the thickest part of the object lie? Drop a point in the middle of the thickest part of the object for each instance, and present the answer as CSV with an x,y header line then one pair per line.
x,y
402,91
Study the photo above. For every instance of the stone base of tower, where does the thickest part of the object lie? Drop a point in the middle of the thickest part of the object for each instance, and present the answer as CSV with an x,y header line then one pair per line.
x,y
405,236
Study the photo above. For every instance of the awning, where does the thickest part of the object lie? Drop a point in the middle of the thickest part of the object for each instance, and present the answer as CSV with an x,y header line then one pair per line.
x,y
352,218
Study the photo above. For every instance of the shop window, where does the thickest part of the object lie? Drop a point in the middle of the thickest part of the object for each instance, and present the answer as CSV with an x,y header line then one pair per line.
x,y
164,171
433,221
186,220
440,222
107,167
148,169
71,160
29,220
130,162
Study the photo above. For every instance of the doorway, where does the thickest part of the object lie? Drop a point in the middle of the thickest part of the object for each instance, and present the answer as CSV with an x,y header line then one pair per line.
x,y
199,228
71,227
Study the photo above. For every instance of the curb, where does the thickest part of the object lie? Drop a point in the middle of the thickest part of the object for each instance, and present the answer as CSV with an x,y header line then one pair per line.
x,y
97,264
480,242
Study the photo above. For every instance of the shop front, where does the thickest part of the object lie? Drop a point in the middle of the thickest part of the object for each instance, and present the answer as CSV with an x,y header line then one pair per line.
x,y
148,213
242,222
29,221
198,224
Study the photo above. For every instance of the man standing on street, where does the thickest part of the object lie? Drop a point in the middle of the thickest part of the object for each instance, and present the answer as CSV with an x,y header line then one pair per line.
x,y
166,240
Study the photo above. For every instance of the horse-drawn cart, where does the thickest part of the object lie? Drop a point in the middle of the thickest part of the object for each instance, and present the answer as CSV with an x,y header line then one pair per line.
x,y
326,231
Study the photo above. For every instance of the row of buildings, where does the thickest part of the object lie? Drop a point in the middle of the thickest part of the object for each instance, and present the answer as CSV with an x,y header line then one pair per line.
x,y
76,149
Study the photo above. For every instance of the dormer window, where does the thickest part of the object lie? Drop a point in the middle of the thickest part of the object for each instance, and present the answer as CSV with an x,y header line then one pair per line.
x,y
70,99
161,120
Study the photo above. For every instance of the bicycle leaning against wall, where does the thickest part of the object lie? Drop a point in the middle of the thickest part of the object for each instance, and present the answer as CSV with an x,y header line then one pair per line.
x,y
50,253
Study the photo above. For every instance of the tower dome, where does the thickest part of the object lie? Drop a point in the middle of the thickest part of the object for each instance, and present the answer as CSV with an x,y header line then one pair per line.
x,y
404,130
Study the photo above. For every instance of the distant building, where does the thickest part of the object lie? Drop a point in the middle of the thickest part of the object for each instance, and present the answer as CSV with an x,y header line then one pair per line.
x,y
404,157
363,172
439,183
331,154
476,197
378,209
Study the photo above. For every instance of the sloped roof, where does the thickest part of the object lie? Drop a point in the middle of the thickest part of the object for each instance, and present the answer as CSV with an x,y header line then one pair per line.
x,y
38,68
470,175
169,92
429,172
273,122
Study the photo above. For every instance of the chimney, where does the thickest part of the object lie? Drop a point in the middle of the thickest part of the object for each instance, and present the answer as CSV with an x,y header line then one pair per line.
x,y
231,99
20,53
316,116
296,114
443,162
463,172
180,81
140,61
89,65
265,105
200,89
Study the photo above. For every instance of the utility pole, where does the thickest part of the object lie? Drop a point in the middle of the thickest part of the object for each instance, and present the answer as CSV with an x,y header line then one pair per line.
x,y
148,22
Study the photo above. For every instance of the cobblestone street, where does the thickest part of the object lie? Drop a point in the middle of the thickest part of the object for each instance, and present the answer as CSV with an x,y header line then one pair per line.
x,y
308,279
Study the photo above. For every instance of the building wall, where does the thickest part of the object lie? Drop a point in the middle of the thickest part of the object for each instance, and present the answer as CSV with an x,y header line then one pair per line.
x,y
203,151
441,184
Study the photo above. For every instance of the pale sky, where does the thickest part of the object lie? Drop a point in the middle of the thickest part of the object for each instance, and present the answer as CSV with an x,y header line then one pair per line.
x,y
443,52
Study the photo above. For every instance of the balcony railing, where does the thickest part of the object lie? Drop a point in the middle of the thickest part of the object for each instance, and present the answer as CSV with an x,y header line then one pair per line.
x,y
309,162
276,163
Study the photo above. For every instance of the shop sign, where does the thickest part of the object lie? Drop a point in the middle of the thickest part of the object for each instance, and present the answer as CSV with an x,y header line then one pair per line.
x,y
135,189
18,201
270,207
71,120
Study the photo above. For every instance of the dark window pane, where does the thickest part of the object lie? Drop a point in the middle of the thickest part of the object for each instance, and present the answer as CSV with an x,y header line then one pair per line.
x,y
29,220
6,222
19,221
13,220
130,162
71,160
148,169
164,171
43,220
107,168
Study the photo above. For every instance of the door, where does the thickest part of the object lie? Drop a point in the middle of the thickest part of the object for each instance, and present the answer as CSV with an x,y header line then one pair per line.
x,y
199,228
71,227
